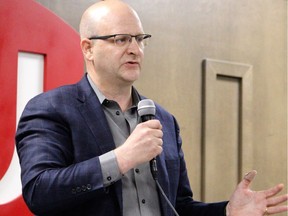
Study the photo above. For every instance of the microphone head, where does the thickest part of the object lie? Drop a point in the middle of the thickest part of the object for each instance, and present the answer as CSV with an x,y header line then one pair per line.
x,y
146,107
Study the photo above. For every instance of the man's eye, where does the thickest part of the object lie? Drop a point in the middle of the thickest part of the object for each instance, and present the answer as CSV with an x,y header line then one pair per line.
x,y
121,40
139,39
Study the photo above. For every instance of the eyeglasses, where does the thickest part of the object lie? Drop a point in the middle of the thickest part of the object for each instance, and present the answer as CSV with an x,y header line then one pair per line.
x,y
122,40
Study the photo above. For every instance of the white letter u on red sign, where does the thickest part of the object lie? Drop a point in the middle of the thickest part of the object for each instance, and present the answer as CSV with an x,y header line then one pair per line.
x,y
31,36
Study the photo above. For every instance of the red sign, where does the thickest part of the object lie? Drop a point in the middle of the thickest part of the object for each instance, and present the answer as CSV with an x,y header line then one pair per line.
x,y
26,26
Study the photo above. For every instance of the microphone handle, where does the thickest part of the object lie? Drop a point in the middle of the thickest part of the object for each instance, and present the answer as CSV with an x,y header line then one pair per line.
x,y
153,168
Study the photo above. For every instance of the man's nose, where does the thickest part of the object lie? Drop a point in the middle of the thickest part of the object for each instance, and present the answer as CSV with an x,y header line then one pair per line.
x,y
133,45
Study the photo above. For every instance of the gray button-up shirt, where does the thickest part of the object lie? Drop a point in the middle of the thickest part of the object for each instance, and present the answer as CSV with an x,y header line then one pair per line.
x,y
140,197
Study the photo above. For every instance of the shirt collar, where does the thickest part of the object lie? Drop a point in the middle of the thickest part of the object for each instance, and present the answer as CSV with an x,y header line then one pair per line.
x,y
102,98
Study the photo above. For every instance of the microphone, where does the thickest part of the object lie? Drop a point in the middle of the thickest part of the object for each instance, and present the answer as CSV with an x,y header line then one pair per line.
x,y
146,110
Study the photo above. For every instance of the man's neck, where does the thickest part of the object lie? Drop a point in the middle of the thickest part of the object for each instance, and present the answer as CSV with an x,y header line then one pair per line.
x,y
123,98
122,94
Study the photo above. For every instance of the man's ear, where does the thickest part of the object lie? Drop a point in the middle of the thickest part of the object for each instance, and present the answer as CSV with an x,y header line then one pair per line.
x,y
86,46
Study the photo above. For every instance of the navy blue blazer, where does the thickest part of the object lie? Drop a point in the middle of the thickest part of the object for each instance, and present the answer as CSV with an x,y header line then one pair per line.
x,y
59,139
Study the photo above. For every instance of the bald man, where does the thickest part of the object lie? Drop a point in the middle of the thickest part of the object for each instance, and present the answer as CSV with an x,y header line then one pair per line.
x,y
83,150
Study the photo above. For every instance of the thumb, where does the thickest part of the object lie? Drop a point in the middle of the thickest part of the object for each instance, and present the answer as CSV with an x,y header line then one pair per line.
x,y
248,178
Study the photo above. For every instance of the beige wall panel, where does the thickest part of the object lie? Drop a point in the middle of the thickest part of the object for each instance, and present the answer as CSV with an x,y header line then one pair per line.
x,y
227,126
221,143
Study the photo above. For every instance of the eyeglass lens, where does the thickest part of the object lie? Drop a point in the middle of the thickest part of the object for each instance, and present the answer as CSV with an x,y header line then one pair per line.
x,y
124,39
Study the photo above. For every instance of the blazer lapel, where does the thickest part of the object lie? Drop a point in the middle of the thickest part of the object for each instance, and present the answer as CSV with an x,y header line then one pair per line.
x,y
93,114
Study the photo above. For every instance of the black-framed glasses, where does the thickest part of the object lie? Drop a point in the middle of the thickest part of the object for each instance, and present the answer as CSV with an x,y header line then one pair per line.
x,y
122,40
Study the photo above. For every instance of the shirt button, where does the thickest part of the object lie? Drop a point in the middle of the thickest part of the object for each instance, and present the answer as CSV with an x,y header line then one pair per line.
x,y
109,178
137,170
143,201
118,112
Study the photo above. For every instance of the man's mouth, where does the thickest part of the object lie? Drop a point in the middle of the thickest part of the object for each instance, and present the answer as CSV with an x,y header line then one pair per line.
x,y
132,62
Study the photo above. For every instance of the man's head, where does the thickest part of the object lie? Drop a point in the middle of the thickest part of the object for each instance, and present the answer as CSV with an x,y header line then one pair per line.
x,y
110,61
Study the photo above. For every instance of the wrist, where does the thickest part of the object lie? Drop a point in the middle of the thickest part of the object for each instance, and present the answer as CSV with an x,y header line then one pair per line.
x,y
123,164
227,212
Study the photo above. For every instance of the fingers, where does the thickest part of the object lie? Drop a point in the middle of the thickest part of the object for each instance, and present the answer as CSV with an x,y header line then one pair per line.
x,y
273,203
154,128
277,200
276,209
153,124
143,144
248,178
244,201
273,191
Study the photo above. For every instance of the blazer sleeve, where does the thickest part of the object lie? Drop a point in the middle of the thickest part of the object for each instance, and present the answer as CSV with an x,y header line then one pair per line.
x,y
46,141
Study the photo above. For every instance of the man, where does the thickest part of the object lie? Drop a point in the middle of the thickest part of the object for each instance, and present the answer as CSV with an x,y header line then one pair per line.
x,y
83,150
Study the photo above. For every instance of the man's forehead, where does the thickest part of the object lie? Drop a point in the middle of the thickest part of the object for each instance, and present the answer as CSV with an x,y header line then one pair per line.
x,y
119,23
